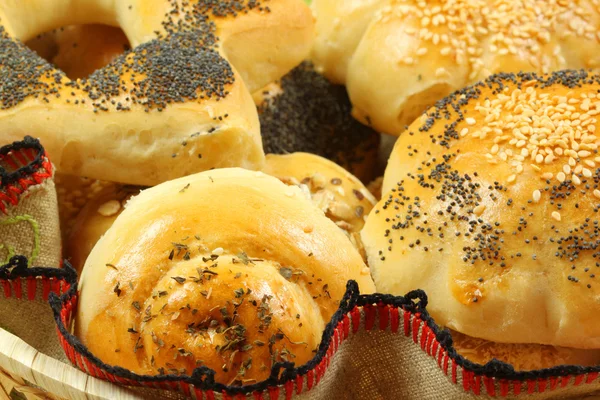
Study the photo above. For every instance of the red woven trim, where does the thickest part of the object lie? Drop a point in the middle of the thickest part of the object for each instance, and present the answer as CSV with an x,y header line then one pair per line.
x,y
422,335
25,288
10,194
299,385
380,316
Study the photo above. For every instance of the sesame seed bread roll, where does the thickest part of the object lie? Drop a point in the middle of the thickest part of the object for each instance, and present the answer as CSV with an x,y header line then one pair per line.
x,y
490,204
227,268
72,194
93,220
178,103
338,193
398,57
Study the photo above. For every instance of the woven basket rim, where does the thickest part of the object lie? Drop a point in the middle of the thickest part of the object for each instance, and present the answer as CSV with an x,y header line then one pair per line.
x,y
53,376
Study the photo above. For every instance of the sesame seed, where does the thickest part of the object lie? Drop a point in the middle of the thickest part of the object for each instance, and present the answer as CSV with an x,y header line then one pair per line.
x,y
556,215
537,195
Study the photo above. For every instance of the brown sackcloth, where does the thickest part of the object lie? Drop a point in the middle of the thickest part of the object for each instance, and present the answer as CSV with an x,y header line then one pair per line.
x,y
30,228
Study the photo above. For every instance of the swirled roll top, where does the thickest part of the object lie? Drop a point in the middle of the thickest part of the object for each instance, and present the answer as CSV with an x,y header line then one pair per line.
x,y
490,204
228,268
176,104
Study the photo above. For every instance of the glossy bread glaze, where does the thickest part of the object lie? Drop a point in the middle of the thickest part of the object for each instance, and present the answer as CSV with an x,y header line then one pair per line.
x,y
224,268
127,122
490,204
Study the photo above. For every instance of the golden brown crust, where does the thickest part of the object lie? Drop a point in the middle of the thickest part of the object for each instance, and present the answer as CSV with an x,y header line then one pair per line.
x,y
397,57
94,219
490,205
233,253
83,49
522,357
339,194
120,124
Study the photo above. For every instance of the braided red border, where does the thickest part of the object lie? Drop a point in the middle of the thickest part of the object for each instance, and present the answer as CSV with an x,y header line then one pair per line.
x,y
301,384
389,318
11,193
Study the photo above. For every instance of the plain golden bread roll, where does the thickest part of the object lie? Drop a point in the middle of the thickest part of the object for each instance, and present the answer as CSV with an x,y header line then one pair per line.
x,y
171,106
95,218
226,268
522,357
304,112
339,30
490,204
398,57
339,194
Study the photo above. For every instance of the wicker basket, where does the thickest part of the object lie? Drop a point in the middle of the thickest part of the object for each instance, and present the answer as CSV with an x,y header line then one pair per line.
x,y
25,373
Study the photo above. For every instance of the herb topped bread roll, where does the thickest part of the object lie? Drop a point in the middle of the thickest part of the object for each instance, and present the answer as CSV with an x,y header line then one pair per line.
x,y
490,204
339,194
177,103
229,268
398,57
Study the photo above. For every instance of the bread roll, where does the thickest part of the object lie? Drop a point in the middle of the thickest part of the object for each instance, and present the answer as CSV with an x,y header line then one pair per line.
x,y
304,112
179,102
229,268
522,357
490,205
398,57
83,49
95,218
340,195
73,193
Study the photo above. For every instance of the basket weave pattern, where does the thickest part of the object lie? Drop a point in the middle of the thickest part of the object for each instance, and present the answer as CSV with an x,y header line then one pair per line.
x,y
16,388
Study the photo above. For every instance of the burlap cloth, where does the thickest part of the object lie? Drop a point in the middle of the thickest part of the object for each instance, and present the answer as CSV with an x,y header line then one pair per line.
x,y
30,228
379,359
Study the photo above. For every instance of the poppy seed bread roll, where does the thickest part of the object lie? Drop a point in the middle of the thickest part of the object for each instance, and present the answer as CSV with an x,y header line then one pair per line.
x,y
304,112
490,204
398,57
229,268
177,103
